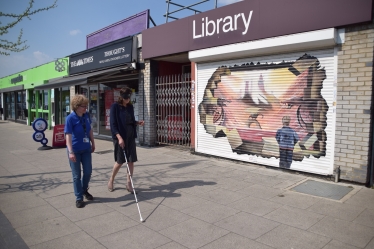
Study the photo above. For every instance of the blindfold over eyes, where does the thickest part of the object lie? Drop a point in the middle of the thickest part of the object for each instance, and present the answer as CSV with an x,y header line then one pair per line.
x,y
126,95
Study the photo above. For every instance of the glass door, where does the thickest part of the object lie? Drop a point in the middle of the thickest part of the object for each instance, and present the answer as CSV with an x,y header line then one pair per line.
x,y
65,103
93,109
11,106
21,111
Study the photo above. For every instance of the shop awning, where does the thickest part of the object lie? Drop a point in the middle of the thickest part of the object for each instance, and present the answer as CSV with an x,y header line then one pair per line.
x,y
74,80
11,89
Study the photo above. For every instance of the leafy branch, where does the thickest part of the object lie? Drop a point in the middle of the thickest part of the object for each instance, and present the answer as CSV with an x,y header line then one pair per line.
x,y
7,46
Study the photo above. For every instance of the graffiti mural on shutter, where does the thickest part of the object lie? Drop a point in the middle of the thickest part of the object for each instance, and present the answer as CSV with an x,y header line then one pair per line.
x,y
272,111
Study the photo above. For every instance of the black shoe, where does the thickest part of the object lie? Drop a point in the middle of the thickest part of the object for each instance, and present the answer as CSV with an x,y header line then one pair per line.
x,y
79,204
87,195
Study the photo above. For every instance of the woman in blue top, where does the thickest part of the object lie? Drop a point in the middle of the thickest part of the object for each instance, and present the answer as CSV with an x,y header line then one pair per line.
x,y
123,128
80,144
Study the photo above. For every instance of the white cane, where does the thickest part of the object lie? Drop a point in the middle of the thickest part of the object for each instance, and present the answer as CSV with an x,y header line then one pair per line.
x,y
133,189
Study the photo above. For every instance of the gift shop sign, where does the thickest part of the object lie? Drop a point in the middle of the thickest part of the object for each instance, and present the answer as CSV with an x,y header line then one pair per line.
x,y
112,54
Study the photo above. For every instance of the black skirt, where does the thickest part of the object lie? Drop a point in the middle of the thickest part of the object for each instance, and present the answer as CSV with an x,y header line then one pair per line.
x,y
130,147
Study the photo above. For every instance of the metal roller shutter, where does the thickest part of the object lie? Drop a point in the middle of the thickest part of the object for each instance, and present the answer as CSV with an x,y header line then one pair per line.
x,y
241,105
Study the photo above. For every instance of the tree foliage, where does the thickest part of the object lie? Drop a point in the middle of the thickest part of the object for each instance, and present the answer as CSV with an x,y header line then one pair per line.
x,y
7,46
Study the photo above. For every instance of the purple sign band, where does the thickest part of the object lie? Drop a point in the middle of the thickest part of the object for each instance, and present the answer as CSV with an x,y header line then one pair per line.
x,y
132,25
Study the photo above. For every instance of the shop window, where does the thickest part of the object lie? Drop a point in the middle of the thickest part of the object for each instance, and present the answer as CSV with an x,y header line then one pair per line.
x,y
11,105
21,110
1,107
45,100
33,100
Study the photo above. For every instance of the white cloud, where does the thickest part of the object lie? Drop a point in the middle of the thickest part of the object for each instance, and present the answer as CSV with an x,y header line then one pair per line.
x,y
74,32
17,63
13,64
41,58
226,2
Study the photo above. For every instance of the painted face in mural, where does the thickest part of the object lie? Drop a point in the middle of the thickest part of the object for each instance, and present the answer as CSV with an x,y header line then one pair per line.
x,y
247,103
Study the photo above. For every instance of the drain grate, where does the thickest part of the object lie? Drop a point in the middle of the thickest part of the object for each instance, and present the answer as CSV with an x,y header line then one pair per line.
x,y
322,189
103,152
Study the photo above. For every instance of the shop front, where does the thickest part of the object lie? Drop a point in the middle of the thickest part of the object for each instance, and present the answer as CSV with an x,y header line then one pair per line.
x,y
22,102
98,73
14,105
253,76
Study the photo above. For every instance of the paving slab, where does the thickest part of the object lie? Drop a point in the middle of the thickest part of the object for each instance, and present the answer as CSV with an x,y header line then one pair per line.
x,y
47,230
334,244
285,237
344,231
362,197
370,245
343,211
10,205
179,200
236,241
9,238
194,233
105,224
33,215
264,180
295,199
260,191
222,196
366,218
77,240
210,212
172,245
136,237
294,217
233,184
248,225
163,217
256,206
91,209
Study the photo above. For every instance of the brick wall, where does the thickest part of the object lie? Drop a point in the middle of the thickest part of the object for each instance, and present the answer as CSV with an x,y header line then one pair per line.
x,y
354,95
147,134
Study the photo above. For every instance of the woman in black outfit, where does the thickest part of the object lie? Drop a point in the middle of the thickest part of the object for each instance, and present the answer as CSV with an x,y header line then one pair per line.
x,y
123,128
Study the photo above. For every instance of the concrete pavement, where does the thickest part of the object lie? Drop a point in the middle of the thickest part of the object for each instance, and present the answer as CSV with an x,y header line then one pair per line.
x,y
188,201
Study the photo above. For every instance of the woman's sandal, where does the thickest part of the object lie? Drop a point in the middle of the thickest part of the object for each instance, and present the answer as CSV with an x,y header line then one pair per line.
x,y
132,192
110,189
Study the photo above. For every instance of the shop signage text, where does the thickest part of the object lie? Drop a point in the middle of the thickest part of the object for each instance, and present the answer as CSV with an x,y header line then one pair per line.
x,y
111,54
81,62
17,79
228,24
249,21
114,51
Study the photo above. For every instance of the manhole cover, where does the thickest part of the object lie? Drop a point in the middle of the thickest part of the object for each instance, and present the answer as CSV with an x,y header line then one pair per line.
x,y
322,189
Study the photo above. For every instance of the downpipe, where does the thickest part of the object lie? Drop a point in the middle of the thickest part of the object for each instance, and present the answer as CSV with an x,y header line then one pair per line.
x,y
337,174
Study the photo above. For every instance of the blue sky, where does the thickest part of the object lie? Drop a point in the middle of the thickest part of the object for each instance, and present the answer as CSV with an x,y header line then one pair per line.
x,y
62,31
